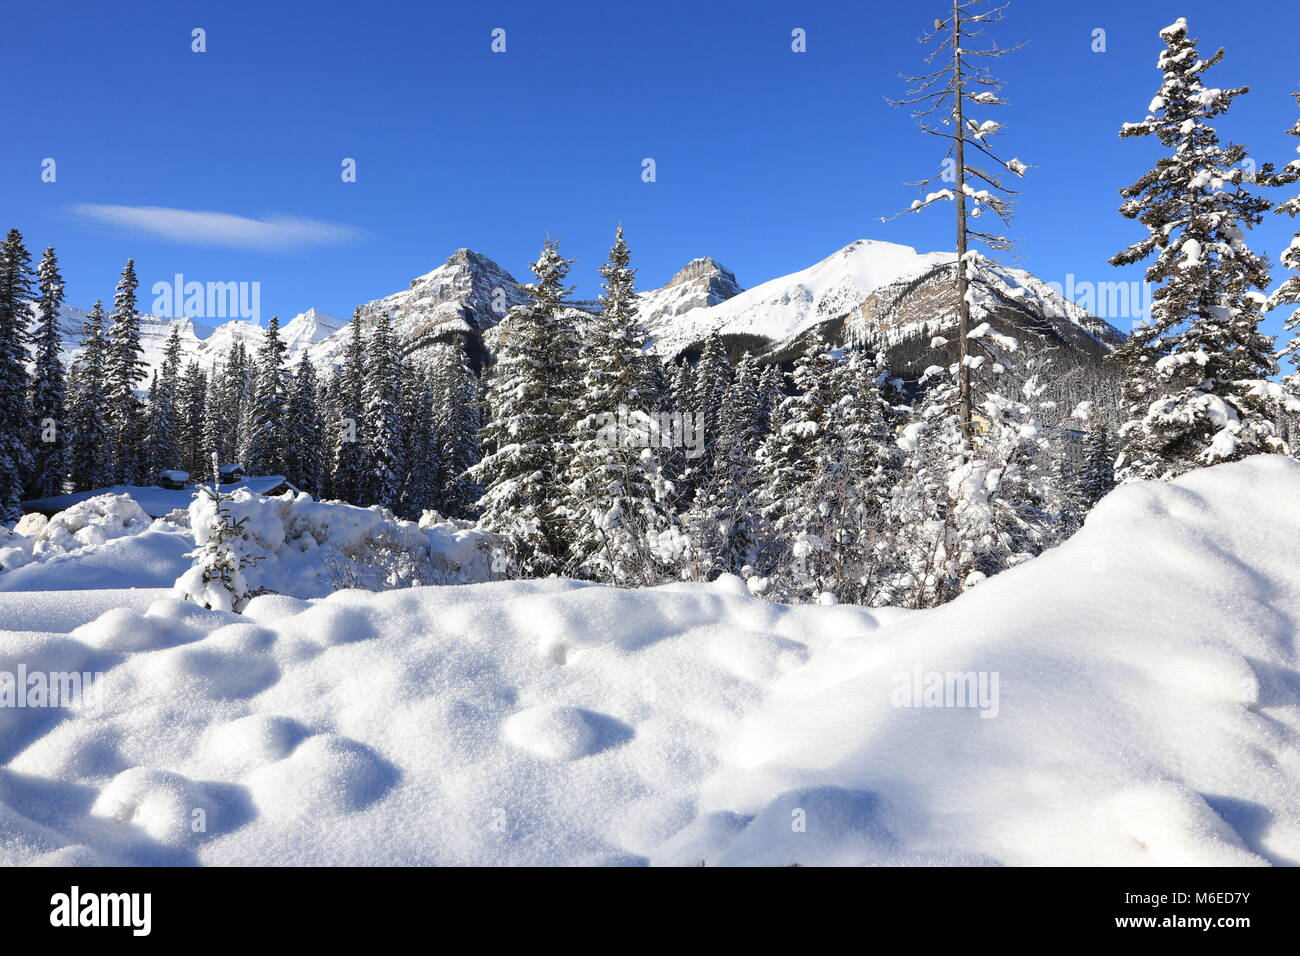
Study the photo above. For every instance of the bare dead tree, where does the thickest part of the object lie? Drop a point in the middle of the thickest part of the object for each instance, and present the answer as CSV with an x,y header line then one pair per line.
x,y
947,93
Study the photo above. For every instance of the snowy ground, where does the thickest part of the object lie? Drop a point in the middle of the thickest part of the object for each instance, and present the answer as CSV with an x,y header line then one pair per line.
x,y
1138,702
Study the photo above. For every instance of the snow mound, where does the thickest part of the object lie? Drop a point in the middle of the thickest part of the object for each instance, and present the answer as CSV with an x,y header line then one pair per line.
x,y
86,524
1131,697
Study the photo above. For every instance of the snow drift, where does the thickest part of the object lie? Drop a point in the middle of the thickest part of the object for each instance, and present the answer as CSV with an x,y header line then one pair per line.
x,y
1131,697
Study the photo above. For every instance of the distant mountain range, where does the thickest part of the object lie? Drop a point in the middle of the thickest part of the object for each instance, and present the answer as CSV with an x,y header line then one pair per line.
x,y
878,293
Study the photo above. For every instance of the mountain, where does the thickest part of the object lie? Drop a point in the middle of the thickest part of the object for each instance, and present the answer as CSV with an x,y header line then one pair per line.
x,y
883,295
880,293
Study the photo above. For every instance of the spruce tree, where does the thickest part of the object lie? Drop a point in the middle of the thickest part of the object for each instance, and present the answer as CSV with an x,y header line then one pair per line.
x,y
47,393
1288,293
526,442
194,442
125,367
457,410
15,314
89,466
724,524
347,460
265,436
162,445
1197,390
616,497
304,456
383,449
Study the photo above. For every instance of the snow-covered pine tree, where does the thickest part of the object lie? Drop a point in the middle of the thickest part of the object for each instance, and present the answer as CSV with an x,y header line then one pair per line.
x,y
15,313
526,442
724,524
858,465
771,392
304,457
950,92
787,462
347,459
88,464
710,382
616,500
966,508
1197,389
216,580
383,448
125,367
46,397
1288,293
162,435
265,438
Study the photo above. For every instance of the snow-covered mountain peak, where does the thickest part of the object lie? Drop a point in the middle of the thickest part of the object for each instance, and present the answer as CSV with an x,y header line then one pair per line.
x,y
785,307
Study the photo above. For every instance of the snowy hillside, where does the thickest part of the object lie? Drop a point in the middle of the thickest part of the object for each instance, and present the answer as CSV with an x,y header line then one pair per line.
x,y
1133,701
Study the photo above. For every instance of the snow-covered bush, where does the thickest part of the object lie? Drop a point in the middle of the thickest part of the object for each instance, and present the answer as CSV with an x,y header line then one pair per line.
x,y
217,580
88,523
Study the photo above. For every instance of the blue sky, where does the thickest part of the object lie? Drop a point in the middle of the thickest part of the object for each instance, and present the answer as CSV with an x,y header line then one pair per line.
x,y
768,160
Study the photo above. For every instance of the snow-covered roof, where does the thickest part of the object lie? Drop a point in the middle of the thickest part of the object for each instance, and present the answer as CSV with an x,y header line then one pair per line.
x,y
156,502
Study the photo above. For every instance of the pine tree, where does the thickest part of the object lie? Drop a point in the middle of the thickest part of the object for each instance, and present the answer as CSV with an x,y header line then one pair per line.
x,y
857,467
1097,473
724,524
616,498
194,427
347,461
526,442
124,368
264,432
788,461
221,556
303,431
383,445
88,465
15,313
1288,293
951,92
1197,389
457,405
47,393
162,445
422,453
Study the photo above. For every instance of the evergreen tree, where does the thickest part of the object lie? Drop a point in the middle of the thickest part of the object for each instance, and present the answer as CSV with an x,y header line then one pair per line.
x,y
194,395
124,368
526,442
304,444
422,455
47,394
1288,293
457,405
347,467
383,448
788,461
162,445
1197,390
724,524
265,437
88,465
1097,473
15,313
616,500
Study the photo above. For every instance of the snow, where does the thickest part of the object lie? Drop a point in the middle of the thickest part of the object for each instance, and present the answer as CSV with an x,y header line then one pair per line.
x,y
155,501
1132,701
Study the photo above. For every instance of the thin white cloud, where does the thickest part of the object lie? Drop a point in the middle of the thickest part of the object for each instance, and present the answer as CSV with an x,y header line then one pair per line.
x,y
197,227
